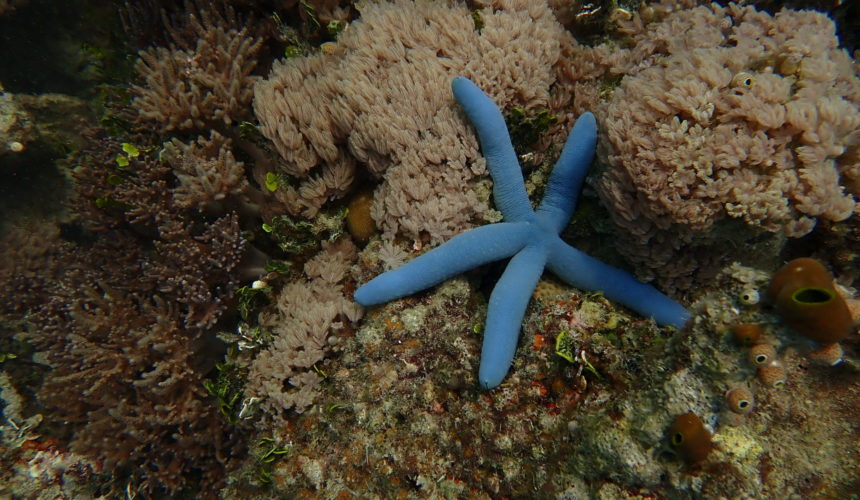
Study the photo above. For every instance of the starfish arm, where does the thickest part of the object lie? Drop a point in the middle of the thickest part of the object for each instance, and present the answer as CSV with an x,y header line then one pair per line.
x,y
459,254
565,182
505,313
508,188
588,273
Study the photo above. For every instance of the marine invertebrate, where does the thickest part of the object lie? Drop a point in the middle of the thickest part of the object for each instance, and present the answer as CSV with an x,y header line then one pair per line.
x,y
125,321
529,237
394,117
747,334
127,374
762,354
196,260
306,312
749,297
359,222
803,293
739,400
772,374
689,437
730,124
203,79
207,171
830,354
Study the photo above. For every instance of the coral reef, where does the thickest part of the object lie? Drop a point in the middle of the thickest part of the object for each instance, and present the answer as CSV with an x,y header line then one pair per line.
x,y
587,409
28,252
203,79
122,313
729,124
207,171
127,377
178,320
305,317
528,237
402,55
195,261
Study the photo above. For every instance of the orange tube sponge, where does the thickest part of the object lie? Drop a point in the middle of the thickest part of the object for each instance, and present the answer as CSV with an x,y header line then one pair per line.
x,y
689,437
761,354
747,333
740,400
803,293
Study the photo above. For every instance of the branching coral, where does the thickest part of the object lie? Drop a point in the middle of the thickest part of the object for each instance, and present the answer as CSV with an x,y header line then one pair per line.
x,y
28,253
380,101
737,116
195,261
126,323
127,377
199,271
207,171
199,80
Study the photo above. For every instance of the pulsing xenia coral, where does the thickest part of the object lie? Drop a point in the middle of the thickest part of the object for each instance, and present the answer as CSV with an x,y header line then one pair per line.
x,y
529,237
379,102
287,372
740,123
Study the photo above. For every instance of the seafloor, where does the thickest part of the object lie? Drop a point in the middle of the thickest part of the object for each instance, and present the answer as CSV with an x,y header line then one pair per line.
x,y
190,194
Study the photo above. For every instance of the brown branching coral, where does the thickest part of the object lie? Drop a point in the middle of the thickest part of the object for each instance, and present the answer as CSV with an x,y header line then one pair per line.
x,y
195,259
199,271
382,101
127,377
126,323
28,252
202,79
207,171
730,118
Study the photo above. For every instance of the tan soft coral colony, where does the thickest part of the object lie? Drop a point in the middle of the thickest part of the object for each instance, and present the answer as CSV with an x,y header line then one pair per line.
x,y
205,77
329,114
747,116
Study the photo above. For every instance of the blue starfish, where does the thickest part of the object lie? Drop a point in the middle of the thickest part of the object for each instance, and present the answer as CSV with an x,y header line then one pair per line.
x,y
531,237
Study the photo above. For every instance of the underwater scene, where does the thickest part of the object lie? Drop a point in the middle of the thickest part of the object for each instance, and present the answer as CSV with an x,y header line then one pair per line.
x,y
462,249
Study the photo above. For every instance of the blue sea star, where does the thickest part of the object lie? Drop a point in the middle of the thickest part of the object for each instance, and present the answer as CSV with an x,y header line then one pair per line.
x,y
529,237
